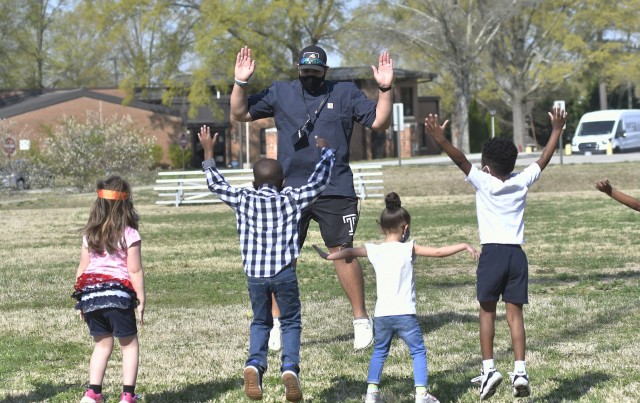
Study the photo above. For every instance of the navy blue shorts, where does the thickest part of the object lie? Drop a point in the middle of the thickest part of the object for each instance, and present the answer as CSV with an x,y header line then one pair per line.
x,y
337,217
115,321
503,270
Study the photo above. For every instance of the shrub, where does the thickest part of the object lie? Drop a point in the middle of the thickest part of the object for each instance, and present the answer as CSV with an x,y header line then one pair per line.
x,y
83,152
176,156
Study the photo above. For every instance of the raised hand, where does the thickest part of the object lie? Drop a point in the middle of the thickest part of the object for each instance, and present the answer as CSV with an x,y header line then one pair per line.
x,y
207,141
604,186
433,127
245,65
558,118
383,74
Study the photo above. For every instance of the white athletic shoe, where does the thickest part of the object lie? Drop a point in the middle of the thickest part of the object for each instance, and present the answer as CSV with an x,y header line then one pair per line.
x,y
520,381
363,333
426,398
373,397
275,336
488,383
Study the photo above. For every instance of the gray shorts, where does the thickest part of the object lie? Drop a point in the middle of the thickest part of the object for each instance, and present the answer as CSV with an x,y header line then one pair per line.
x,y
337,217
503,270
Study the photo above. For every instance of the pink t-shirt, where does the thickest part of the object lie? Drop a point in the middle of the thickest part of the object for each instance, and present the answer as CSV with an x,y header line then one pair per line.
x,y
114,265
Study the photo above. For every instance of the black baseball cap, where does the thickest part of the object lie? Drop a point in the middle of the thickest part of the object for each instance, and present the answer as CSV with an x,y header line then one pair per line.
x,y
313,57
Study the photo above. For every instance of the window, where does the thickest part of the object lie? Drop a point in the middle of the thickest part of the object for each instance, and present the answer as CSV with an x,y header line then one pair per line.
x,y
263,142
596,128
406,97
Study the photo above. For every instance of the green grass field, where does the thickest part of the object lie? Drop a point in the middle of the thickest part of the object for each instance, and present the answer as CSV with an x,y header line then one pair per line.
x,y
582,321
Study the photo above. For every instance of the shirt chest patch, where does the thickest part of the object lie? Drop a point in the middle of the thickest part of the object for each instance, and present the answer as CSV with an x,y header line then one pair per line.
x,y
330,105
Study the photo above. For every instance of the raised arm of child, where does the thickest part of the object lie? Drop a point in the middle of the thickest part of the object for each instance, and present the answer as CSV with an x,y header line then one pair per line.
x,y
433,127
136,274
558,119
444,251
215,180
605,187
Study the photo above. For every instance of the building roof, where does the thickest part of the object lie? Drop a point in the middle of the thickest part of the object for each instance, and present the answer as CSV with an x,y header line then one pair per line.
x,y
364,73
35,102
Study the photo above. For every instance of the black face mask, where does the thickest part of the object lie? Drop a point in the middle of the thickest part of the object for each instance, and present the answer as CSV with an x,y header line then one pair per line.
x,y
311,83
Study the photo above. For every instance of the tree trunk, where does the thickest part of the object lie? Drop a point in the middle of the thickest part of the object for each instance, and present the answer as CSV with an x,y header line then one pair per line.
x,y
518,118
602,90
460,127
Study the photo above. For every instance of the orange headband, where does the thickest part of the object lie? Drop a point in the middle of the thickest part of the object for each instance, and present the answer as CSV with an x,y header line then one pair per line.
x,y
112,194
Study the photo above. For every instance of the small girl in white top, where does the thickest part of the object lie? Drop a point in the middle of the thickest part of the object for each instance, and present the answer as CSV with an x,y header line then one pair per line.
x,y
110,285
395,311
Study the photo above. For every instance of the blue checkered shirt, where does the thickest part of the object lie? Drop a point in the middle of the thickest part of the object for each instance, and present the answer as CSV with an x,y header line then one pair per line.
x,y
267,218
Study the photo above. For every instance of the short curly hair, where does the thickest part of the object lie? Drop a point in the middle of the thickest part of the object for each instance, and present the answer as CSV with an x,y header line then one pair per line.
x,y
499,154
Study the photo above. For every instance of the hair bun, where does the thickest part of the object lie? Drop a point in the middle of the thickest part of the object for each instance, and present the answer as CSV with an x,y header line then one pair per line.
x,y
392,201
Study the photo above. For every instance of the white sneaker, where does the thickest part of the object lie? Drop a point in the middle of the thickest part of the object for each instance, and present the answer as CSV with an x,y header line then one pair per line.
x,y
363,333
275,336
488,383
520,381
373,397
426,398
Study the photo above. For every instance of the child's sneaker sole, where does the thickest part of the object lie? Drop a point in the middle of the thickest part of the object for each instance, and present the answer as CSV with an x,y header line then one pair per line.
x,y
521,391
252,387
488,383
292,390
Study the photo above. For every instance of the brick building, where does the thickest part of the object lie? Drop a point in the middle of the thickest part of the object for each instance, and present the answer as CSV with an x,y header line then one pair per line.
x,y
33,112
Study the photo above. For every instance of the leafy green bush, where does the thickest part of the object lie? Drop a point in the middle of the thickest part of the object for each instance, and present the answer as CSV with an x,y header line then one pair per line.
x,y
175,154
83,152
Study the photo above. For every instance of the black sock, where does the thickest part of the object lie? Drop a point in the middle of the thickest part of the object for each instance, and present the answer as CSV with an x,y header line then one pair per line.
x,y
96,388
129,389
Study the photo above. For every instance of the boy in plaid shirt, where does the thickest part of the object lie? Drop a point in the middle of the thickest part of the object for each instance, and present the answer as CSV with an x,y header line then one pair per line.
x,y
268,214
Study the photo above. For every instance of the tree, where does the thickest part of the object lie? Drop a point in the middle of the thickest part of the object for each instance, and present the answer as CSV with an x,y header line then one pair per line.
x,y
9,48
83,151
150,38
36,19
528,55
452,36
78,54
604,30
276,36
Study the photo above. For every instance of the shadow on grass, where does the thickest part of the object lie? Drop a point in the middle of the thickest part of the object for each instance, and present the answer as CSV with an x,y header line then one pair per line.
x,y
573,388
347,337
430,323
42,392
199,392
343,389
547,279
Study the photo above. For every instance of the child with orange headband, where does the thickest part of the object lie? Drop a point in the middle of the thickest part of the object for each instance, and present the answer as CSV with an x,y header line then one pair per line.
x,y
110,285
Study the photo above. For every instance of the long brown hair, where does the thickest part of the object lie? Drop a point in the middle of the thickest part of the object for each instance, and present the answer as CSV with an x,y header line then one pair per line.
x,y
109,218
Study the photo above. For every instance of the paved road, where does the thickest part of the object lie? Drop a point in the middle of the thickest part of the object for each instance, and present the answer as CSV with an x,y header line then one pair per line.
x,y
523,159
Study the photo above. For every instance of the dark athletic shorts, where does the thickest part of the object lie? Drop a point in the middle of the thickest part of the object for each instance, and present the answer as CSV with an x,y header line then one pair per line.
x,y
116,321
503,270
337,217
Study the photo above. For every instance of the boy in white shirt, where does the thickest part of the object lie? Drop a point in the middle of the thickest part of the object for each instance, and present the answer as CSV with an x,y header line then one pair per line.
x,y
503,267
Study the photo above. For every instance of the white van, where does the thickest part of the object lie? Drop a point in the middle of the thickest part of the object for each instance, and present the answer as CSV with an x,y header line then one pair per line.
x,y
621,127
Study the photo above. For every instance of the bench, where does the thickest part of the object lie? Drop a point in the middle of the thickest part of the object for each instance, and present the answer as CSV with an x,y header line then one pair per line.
x,y
190,187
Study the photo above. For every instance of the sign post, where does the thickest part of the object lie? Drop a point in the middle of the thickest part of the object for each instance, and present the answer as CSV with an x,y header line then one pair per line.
x,y
560,105
183,145
398,126
9,146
